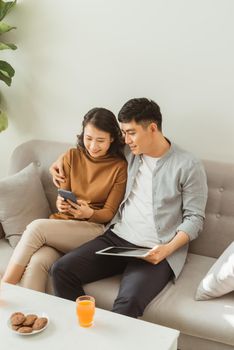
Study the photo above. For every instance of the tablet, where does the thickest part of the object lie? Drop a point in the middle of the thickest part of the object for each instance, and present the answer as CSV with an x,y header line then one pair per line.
x,y
125,251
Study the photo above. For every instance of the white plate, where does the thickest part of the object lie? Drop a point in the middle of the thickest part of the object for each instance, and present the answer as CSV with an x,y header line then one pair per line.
x,y
27,312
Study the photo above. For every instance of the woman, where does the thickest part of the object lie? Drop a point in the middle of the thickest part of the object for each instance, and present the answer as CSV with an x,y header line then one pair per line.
x,y
96,173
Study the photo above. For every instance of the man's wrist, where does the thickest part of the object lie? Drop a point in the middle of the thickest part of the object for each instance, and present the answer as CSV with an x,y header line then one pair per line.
x,y
180,239
170,248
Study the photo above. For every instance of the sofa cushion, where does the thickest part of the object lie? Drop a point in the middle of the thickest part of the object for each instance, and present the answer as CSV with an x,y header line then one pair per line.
x,y
43,154
219,280
105,291
22,201
176,306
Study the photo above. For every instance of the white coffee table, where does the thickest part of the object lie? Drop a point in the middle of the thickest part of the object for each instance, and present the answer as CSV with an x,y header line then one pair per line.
x,y
109,332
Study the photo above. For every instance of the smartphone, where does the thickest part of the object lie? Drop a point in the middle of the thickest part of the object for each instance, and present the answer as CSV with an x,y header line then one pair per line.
x,y
67,195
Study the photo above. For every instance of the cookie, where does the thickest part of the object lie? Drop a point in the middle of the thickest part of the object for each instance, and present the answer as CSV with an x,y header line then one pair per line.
x,y
29,320
17,318
25,329
16,314
15,327
39,323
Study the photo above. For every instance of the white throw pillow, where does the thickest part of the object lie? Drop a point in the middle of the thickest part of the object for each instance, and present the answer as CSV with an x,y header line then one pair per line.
x,y
22,200
220,278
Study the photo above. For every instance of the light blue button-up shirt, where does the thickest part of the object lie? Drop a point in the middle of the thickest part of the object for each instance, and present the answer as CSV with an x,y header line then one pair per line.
x,y
179,198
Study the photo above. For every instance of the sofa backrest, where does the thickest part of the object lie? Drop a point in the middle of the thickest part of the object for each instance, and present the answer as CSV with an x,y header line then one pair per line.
x,y
218,230
43,154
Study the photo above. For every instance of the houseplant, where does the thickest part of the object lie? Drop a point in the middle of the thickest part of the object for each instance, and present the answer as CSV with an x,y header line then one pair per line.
x,y
6,70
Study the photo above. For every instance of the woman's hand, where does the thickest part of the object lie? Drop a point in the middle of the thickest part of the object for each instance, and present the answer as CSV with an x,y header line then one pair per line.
x,y
56,170
81,210
62,205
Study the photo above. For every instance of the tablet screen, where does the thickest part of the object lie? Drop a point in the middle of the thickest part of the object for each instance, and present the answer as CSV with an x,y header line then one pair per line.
x,y
125,251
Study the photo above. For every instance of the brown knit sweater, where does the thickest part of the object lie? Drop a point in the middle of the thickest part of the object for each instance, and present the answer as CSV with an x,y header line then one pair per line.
x,y
99,181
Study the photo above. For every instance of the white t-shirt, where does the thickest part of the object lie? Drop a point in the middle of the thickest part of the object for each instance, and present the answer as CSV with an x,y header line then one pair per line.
x,y
137,225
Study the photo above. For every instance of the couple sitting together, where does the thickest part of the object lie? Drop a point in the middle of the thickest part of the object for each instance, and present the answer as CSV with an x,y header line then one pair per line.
x,y
149,193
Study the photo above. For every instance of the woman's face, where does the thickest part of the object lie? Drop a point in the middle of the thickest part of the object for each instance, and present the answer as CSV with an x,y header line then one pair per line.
x,y
97,142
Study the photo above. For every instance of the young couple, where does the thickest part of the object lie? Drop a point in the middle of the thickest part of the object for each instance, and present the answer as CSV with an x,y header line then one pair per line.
x,y
162,209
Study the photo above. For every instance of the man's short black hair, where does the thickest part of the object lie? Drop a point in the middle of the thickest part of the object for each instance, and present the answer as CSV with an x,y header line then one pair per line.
x,y
142,111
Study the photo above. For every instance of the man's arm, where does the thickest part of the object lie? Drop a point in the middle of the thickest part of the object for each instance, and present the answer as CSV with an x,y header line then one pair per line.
x,y
194,197
57,171
160,252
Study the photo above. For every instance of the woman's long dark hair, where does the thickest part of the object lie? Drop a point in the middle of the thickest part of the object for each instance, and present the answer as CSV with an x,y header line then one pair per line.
x,y
104,120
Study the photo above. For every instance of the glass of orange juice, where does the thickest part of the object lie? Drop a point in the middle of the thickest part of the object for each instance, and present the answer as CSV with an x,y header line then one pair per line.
x,y
85,309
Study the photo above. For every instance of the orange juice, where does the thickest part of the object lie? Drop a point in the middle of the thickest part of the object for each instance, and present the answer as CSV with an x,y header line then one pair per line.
x,y
85,308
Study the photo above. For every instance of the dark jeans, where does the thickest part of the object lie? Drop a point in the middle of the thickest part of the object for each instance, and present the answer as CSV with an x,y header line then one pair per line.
x,y
141,281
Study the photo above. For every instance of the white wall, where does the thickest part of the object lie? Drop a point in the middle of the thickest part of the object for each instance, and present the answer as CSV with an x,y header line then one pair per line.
x,y
76,54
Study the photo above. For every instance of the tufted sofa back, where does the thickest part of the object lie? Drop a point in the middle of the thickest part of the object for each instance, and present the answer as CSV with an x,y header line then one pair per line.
x,y
218,230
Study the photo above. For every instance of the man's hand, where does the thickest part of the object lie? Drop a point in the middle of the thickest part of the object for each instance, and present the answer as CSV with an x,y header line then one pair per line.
x,y
56,170
158,253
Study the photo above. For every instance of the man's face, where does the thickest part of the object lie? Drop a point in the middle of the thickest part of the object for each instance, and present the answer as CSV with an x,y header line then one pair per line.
x,y
137,137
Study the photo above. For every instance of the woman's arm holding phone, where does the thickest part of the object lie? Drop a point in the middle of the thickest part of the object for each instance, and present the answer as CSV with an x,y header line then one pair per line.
x,y
80,210
60,171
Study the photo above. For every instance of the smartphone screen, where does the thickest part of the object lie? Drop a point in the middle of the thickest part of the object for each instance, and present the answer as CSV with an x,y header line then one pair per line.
x,y
67,195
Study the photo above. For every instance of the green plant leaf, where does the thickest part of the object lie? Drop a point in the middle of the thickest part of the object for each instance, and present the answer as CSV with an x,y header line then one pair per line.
x,y
6,70
6,67
3,121
4,77
4,27
5,7
4,46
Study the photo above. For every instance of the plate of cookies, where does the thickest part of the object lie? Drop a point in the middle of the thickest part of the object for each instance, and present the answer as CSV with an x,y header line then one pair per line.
x,y
28,322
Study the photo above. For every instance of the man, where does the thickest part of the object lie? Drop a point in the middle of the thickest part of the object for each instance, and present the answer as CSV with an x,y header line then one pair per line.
x,y
163,209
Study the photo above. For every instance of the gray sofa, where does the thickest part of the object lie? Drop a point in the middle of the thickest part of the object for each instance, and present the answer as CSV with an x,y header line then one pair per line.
x,y
204,325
